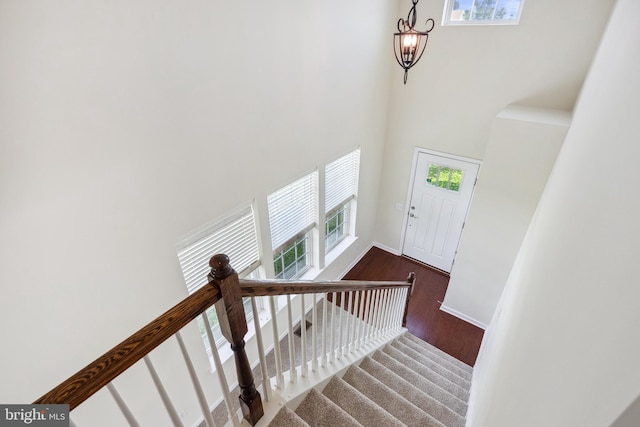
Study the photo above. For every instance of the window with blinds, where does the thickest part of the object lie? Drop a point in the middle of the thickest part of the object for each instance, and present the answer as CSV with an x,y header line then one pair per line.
x,y
293,212
341,182
234,236
341,188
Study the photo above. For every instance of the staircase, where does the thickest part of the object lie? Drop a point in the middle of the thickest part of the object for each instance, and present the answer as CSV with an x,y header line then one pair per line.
x,y
407,383
348,328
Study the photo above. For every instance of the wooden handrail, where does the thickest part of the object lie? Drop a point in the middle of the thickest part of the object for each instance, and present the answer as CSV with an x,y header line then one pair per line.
x,y
114,362
226,290
260,288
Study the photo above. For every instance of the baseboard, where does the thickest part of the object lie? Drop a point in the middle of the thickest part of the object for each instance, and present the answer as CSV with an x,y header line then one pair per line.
x,y
463,316
387,248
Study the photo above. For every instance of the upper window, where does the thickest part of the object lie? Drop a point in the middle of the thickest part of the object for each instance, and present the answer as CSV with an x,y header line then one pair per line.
x,y
341,188
482,12
235,236
292,215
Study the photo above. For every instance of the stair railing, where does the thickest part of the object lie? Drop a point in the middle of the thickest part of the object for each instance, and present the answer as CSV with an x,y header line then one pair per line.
x,y
360,312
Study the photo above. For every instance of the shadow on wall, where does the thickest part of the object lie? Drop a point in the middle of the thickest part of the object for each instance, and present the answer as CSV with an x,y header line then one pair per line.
x,y
630,417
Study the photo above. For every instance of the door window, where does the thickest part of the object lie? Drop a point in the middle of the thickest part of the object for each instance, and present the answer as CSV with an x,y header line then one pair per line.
x,y
446,177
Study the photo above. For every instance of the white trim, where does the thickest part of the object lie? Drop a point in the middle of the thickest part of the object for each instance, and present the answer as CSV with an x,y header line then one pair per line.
x,y
463,316
387,248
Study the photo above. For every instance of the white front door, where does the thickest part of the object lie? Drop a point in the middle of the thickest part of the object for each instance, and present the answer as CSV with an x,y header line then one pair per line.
x,y
440,197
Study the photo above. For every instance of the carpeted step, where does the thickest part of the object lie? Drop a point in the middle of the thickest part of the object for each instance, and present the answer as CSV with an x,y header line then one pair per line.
x,y
424,401
385,397
435,390
455,368
435,350
317,410
287,418
420,369
432,364
358,405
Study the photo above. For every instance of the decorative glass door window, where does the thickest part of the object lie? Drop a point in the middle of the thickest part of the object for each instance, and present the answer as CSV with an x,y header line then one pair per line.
x,y
444,177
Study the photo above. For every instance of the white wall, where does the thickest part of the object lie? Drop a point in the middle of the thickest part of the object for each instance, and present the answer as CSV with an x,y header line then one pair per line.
x,y
127,124
468,74
562,348
523,146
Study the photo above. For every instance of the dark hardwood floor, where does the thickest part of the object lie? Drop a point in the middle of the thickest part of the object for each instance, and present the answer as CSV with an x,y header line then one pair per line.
x,y
424,319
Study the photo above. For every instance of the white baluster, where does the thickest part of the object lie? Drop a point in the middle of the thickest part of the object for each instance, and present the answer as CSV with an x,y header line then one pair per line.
x,y
276,344
357,319
314,347
404,302
367,317
390,325
292,366
332,353
397,323
363,320
342,309
166,400
394,309
222,378
380,312
304,369
123,406
374,312
204,406
350,322
266,384
385,311
324,331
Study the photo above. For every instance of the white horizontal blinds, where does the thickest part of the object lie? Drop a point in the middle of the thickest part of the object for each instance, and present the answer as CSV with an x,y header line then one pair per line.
x,y
341,182
292,209
234,236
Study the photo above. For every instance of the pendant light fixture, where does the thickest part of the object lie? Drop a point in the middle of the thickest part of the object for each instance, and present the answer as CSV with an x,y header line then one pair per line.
x,y
409,43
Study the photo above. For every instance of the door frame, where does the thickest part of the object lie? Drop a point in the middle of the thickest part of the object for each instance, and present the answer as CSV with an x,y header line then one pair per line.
x,y
412,177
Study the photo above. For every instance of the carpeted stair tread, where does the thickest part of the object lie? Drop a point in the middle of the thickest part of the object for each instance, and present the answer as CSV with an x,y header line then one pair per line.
x,y
287,418
358,405
427,373
317,410
462,373
385,397
432,364
411,393
435,350
455,403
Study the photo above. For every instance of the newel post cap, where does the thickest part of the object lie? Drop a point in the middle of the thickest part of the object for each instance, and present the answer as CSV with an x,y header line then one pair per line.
x,y
220,267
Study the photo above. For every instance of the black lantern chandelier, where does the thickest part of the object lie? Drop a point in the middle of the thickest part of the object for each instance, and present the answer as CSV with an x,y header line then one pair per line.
x,y
409,43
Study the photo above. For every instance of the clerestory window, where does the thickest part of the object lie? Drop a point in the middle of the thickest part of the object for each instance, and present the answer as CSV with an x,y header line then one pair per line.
x,y
482,12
